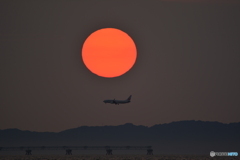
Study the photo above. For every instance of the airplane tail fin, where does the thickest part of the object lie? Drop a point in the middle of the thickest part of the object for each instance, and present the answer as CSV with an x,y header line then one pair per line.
x,y
129,98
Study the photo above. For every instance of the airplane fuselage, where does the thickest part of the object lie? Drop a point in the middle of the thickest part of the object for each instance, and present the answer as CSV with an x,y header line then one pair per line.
x,y
118,101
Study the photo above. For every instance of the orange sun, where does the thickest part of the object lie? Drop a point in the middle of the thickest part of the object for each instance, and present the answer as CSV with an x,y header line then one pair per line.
x,y
109,52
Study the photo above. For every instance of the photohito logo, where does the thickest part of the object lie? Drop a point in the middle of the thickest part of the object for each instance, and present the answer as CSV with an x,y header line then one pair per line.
x,y
212,153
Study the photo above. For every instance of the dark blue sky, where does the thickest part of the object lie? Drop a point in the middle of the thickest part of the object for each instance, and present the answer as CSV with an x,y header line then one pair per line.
x,y
187,68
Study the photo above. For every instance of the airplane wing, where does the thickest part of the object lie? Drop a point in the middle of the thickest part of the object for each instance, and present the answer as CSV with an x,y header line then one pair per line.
x,y
115,102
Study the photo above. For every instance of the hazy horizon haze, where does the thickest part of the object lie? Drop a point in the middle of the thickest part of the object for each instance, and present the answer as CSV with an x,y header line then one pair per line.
x,y
187,66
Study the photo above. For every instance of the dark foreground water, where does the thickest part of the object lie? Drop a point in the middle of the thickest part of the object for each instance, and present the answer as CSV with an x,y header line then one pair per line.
x,y
114,157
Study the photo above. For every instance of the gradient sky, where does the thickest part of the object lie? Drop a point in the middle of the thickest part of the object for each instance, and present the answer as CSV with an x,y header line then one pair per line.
x,y
188,65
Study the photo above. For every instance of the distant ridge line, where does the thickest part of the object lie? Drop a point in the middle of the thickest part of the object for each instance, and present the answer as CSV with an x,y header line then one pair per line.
x,y
126,124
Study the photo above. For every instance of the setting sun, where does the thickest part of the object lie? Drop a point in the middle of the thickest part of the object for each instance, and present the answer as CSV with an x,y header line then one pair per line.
x,y
109,52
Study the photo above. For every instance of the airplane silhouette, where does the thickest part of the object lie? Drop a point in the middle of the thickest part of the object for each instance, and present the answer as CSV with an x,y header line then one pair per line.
x,y
118,101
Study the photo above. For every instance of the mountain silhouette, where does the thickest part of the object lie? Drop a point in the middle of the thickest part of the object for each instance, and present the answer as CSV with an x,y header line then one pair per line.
x,y
183,137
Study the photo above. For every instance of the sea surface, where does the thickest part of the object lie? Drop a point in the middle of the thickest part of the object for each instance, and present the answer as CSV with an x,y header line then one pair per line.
x,y
114,157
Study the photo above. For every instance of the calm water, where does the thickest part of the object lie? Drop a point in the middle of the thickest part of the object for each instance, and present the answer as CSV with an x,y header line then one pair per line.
x,y
113,157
